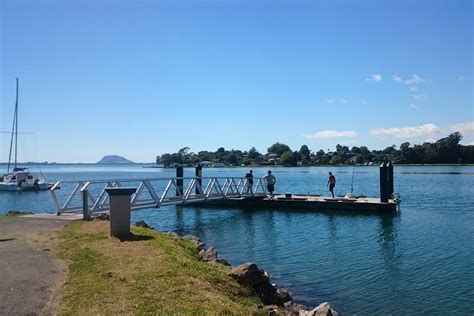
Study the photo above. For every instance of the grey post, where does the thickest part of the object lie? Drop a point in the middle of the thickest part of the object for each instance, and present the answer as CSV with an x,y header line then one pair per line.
x,y
390,180
383,183
120,206
199,176
85,205
179,181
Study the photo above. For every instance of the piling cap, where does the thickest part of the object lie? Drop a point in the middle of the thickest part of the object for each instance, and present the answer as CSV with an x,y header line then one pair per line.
x,y
383,165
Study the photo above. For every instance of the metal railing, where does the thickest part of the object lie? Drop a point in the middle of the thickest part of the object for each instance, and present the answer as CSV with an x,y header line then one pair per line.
x,y
90,197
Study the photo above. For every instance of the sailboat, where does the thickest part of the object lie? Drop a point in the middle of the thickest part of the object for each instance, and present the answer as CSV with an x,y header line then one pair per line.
x,y
19,179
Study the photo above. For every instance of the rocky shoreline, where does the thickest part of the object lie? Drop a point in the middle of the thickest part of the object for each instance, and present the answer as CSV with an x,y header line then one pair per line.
x,y
249,274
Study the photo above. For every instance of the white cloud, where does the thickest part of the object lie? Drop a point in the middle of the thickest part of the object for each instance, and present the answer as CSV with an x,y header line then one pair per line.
x,y
415,79
334,101
461,78
375,77
413,89
331,134
407,132
414,106
421,96
463,128
397,78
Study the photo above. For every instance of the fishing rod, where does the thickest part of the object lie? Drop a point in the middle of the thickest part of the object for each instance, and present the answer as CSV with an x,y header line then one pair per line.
x,y
352,183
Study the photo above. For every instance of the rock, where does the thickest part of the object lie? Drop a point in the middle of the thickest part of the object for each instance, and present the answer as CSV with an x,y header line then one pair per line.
x,y
293,309
18,213
197,242
324,309
173,235
272,310
249,274
102,217
224,262
283,295
144,224
270,294
208,255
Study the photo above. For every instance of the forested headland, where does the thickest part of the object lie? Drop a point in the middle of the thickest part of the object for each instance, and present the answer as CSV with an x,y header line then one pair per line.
x,y
446,150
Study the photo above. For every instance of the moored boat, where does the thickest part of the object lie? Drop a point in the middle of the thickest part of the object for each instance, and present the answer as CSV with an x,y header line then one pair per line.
x,y
19,179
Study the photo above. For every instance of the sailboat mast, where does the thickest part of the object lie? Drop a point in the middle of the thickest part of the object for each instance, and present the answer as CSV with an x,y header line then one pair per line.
x,y
16,123
14,131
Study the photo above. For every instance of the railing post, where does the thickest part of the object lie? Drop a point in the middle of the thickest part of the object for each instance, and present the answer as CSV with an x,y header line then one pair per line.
x,y
120,207
85,205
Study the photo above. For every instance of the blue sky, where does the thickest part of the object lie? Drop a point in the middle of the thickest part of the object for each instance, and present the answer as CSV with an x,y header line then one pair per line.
x,y
143,78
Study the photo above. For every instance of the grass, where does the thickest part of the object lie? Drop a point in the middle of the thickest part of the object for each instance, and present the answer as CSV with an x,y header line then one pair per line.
x,y
157,274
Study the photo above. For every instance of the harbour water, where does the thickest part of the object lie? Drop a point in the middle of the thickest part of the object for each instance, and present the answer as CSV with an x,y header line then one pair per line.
x,y
417,261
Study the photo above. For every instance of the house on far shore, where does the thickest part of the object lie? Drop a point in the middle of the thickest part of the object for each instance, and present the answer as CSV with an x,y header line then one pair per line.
x,y
218,165
206,163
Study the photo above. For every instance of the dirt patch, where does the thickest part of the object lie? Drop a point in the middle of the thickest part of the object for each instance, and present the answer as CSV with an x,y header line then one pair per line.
x,y
30,273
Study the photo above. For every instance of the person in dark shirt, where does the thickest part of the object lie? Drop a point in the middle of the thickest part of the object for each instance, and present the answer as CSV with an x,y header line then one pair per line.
x,y
249,177
331,183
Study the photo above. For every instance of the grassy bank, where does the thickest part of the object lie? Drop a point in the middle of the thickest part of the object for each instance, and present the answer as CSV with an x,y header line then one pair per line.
x,y
154,274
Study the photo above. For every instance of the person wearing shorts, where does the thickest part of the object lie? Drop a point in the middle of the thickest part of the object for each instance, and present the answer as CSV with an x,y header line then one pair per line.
x,y
270,180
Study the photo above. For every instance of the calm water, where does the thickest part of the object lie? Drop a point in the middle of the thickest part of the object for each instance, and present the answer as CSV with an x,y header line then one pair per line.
x,y
417,261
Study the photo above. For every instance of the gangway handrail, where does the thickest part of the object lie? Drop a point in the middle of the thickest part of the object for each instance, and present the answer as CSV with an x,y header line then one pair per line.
x,y
153,192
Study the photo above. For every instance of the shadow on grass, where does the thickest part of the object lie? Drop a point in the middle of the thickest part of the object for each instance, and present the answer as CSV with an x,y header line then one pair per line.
x,y
133,237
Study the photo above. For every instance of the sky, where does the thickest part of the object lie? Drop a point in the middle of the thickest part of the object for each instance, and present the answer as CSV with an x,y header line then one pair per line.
x,y
142,78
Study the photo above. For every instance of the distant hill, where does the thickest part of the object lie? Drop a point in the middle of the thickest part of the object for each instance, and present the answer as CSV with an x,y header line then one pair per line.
x,y
113,159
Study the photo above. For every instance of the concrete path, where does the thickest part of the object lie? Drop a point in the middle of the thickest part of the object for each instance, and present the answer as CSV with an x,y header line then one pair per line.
x,y
29,272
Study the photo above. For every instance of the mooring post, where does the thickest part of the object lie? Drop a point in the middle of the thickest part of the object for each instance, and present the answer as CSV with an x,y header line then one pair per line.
x,y
383,183
179,180
120,206
85,205
390,180
199,176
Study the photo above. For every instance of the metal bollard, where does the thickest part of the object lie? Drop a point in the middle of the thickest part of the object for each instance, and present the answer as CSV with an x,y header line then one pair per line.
x,y
120,207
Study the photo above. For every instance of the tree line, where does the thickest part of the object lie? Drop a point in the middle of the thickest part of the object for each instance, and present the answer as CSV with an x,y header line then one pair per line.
x,y
445,150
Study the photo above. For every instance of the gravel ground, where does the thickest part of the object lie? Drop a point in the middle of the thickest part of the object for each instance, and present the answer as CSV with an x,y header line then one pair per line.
x,y
29,272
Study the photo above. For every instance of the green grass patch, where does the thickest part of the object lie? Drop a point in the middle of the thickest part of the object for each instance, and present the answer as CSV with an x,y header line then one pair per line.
x,y
156,274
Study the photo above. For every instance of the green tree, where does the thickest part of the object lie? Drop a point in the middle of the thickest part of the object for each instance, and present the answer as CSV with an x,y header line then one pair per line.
x,y
253,153
278,149
304,153
289,158
336,160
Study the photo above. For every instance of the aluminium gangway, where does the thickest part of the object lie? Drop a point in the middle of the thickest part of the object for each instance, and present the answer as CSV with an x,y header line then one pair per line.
x,y
90,196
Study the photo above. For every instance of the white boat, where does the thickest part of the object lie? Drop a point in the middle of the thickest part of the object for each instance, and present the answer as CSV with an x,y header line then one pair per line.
x,y
19,179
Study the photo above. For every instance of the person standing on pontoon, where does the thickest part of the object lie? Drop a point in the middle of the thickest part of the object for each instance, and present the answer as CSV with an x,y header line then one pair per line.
x,y
270,180
249,177
331,183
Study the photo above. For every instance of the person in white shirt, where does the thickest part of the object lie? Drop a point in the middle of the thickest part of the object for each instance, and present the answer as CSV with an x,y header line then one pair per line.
x,y
270,180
